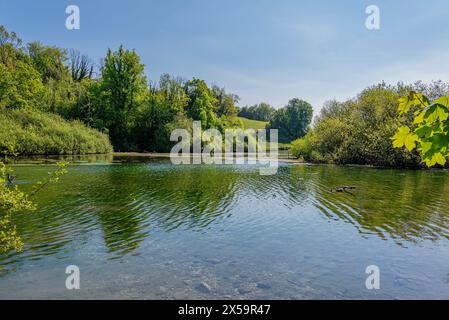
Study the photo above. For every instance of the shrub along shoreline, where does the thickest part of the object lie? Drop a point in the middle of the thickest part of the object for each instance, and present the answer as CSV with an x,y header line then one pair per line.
x,y
31,132
359,131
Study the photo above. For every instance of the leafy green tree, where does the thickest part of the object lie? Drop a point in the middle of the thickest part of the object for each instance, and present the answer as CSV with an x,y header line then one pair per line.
x,y
292,121
70,99
62,94
20,82
11,48
305,148
429,132
164,107
202,104
262,112
358,131
123,89
226,102
48,61
265,112
35,77
173,94
20,86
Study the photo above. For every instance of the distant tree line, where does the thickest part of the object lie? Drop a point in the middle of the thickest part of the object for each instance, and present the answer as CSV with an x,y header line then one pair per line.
x,y
292,121
262,112
117,99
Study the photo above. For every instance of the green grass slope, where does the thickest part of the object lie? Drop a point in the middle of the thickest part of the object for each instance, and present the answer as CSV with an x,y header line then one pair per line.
x,y
253,124
256,124
27,132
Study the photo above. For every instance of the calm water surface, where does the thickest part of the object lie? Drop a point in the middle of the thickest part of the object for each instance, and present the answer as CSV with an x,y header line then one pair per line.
x,y
151,230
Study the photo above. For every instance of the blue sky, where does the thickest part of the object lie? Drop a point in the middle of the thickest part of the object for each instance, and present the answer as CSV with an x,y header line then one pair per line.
x,y
261,50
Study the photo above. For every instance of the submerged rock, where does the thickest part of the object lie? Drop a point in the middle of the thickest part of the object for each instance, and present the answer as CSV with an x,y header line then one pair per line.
x,y
212,261
246,288
263,286
204,287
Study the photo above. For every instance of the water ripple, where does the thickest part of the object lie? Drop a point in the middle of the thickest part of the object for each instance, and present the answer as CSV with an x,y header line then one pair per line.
x,y
127,204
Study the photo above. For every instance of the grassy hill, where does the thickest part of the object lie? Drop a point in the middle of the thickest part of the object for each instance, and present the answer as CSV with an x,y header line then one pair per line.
x,y
28,132
253,124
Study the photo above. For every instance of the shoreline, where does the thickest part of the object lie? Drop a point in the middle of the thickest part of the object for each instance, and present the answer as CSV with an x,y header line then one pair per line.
x,y
167,155
281,159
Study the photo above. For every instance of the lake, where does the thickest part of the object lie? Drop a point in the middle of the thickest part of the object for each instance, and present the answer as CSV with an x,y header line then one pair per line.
x,y
142,228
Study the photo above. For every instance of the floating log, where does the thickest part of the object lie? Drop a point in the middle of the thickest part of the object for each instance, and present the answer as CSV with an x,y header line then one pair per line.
x,y
343,189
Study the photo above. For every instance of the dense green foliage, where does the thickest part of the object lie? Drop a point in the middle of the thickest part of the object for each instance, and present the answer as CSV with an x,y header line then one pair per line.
x,y
359,130
262,112
34,81
429,133
138,115
40,86
20,82
36,132
120,92
292,121
13,200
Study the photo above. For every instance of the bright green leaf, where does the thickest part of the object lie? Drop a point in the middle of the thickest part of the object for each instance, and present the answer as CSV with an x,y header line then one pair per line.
x,y
423,131
436,112
405,138
419,118
443,101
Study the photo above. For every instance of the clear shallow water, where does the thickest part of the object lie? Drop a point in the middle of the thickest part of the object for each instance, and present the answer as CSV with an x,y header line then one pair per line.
x,y
152,230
